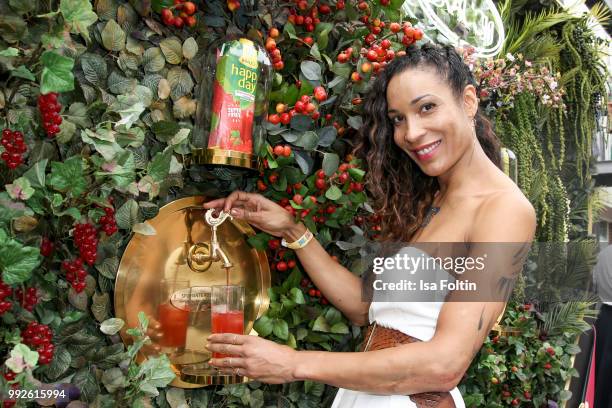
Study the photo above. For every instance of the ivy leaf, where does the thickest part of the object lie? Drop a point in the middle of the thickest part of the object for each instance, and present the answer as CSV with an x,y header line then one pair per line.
x,y
21,358
78,15
57,73
16,260
20,189
355,122
36,174
304,160
22,72
100,307
68,175
311,70
130,114
113,379
113,36
159,167
340,328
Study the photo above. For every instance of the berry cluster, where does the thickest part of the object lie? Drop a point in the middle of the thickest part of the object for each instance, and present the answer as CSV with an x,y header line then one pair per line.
x,y
283,259
86,240
309,17
46,247
75,274
5,291
303,106
39,336
27,300
282,150
275,52
109,225
185,17
49,109
312,291
14,148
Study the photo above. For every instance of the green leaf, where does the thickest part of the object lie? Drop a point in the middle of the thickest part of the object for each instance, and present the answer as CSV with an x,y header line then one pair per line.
x,y
263,326
180,82
36,174
78,15
356,173
311,70
157,371
127,215
159,167
321,324
16,260
111,326
330,163
301,123
281,329
95,69
86,381
342,70
333,193
153,60
308,141
68,175
297,296
340,328
22,72
314,51
100,307
67,130
290,31
22,357
9,52
113,37
59,364
355,122
113,379
118,84
327,135
130,114
20,189
57,73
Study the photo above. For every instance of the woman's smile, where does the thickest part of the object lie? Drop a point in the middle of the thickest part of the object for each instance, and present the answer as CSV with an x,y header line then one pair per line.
x,y
428,151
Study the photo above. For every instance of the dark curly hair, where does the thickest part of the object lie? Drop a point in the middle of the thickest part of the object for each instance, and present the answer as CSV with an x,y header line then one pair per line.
x,y
401,191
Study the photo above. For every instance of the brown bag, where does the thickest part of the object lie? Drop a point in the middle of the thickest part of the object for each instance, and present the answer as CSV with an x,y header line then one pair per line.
x,y
378,338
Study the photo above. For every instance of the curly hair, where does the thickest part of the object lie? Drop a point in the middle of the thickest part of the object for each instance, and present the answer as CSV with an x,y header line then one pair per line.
x,y
400,190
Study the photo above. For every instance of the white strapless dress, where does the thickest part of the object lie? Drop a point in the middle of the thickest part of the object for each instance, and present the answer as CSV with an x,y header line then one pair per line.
x,y
416,319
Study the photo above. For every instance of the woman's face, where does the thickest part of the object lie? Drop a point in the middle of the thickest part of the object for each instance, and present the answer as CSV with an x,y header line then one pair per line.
x,y
430,124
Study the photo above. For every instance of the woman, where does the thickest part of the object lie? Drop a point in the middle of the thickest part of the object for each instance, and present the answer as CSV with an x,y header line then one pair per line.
x,y
425,144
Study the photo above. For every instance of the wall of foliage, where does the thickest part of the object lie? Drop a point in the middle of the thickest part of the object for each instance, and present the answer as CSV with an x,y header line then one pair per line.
x,y
98,102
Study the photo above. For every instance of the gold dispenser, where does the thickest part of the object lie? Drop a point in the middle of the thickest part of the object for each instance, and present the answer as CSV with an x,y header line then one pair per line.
x,y
191,244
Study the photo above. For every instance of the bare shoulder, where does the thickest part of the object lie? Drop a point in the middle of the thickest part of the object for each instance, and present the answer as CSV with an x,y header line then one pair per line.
x,y
505,215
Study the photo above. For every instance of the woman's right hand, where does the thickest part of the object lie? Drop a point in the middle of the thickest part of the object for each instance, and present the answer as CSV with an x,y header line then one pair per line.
x,y
257,210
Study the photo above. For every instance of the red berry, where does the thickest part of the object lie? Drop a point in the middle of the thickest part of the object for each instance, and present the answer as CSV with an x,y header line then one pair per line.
x,y
189,8
312,292
320,184
281,266
274,119
321,174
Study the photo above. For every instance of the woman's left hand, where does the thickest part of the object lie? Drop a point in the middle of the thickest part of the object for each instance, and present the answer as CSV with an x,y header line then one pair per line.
x,y
259,359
